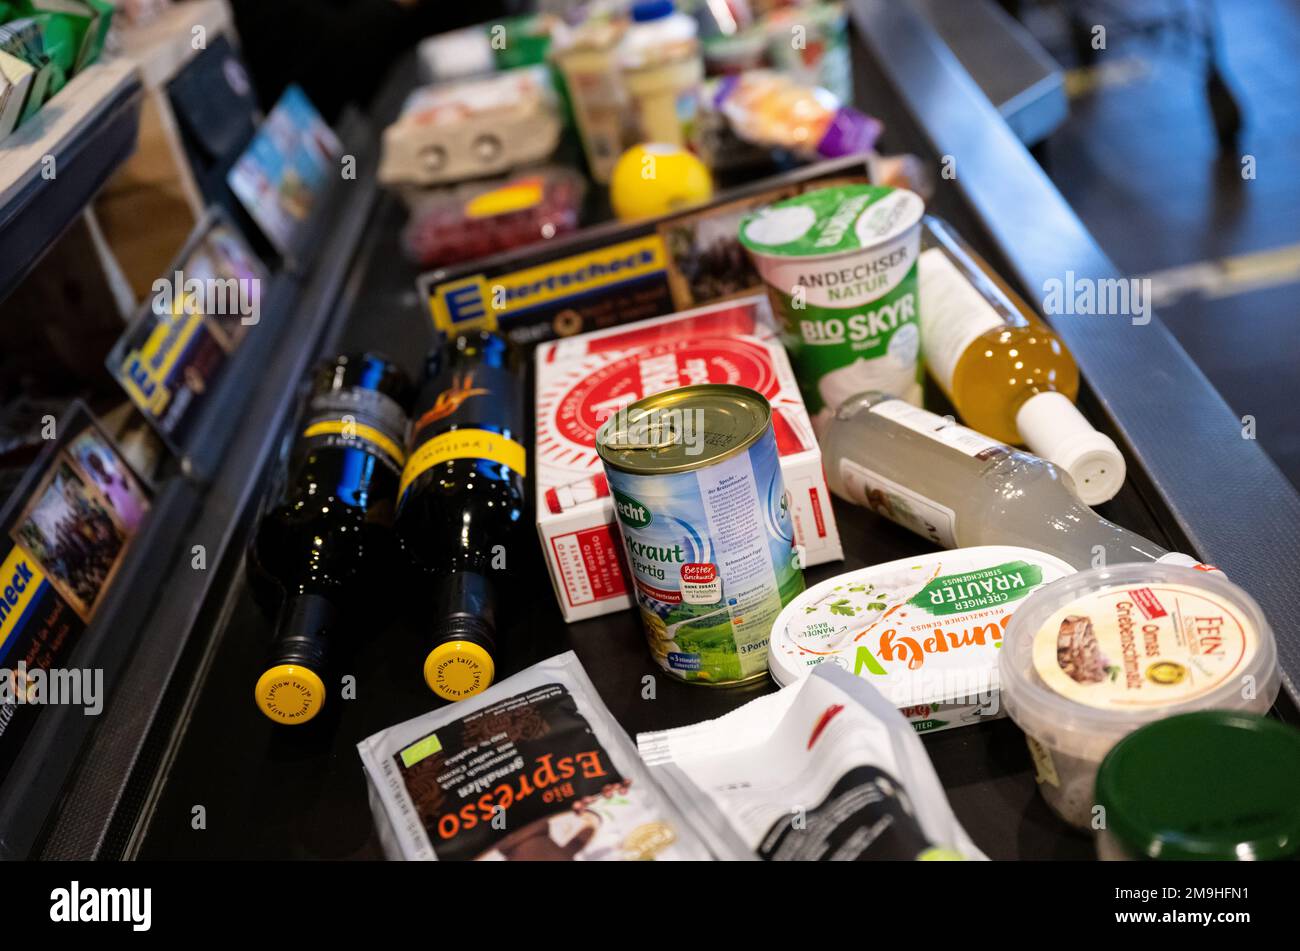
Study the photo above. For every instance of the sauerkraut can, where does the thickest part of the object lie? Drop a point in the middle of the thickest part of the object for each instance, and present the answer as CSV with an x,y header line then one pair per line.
x,y
840,267
696,481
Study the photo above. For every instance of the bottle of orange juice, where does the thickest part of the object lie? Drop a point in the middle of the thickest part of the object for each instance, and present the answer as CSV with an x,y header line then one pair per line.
x,y
1009,376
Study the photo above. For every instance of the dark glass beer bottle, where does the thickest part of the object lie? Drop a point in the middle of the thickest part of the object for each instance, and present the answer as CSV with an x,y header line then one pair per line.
x,y
328,541
460,503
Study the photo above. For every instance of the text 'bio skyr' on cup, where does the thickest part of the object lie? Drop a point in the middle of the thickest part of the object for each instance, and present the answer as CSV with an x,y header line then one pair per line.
x,y
840,267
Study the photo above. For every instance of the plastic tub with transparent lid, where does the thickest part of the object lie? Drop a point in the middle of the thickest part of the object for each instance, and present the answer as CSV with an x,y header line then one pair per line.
x,y
1090,658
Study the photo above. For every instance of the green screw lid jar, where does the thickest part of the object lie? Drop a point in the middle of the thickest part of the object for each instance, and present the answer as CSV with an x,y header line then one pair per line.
x,y
1208,785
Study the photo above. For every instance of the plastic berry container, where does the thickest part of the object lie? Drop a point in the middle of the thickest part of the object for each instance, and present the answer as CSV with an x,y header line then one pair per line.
x,y
452,225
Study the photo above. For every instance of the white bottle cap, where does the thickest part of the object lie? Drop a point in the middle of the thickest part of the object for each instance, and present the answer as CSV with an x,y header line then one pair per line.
x,y
1053,428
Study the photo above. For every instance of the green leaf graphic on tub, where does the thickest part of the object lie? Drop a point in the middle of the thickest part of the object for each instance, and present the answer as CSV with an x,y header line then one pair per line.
x,y
845,606
973,590
842,606
632,513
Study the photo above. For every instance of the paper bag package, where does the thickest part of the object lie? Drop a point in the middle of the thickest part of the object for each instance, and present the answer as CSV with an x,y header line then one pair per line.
x,y
581,380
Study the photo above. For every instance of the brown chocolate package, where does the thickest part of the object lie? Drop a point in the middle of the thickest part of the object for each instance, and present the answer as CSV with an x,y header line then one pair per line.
x,y
533,769
533,758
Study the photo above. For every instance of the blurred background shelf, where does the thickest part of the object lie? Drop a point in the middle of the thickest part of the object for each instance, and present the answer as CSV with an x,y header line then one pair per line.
x,y
54,165
158,182
163,45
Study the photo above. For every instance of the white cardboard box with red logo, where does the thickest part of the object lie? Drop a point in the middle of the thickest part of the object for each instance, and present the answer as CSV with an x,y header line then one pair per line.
x,y
582,380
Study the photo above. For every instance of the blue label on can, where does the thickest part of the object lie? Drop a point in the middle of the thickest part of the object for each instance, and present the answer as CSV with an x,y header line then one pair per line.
x,y
713,560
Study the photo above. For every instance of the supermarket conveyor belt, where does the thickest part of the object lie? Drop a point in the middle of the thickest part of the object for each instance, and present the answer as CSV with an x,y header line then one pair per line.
x,y
1219,495
276,793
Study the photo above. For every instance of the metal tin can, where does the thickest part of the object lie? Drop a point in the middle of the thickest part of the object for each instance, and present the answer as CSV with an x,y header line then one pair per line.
x,y
696,482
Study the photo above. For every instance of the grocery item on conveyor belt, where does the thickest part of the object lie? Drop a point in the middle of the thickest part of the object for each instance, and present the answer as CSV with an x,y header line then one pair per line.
x,y
586,57
809,42
826,770
776,111
1090,658
695,476
472,128
533,769
958,487
925,631
617,275
1006,372
459,504
1214,785
327,542
580,380
659,55
840,267
655,179
478,219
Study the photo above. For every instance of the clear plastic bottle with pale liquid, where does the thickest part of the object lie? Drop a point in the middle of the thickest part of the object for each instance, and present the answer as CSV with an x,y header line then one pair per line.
x,y
1008,375
960,488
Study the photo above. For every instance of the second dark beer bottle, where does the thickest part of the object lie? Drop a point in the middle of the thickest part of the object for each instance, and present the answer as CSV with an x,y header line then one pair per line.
x,y
327,541
460,502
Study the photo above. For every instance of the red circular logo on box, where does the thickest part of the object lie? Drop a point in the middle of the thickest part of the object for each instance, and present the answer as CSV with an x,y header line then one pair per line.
x,y
659,367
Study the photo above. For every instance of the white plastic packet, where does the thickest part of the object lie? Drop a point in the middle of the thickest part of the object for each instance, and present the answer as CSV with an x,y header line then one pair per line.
x,y
824,770
533,768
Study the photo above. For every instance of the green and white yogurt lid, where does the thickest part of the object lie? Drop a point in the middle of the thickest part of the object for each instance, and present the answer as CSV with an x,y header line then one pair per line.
x,y
832,221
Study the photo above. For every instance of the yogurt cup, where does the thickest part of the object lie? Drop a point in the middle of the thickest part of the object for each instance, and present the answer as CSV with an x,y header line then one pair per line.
x,y
926,632
840,267
1093,657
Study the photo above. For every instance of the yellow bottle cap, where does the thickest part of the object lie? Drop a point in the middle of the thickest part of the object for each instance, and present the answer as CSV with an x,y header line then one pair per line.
x,y
455,670
290,693
938,853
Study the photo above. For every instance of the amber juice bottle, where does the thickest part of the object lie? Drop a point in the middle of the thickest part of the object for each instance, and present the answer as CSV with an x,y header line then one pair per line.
x,y
1008,375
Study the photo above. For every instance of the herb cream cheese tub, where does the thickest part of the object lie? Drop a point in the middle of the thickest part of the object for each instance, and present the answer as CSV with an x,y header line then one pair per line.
x,y
926,632
1092,657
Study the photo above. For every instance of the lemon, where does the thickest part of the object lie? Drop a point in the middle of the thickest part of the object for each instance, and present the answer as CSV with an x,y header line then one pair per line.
x,y
655,179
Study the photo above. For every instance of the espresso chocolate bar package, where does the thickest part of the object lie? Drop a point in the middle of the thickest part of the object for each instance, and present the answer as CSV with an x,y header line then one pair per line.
x,y
534,768
827,769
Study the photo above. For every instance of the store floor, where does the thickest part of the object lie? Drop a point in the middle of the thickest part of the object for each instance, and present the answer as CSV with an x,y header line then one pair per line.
x,y
1139,161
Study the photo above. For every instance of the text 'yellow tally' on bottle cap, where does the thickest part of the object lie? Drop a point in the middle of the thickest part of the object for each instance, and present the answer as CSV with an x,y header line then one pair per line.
x,y
290,693
455,670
